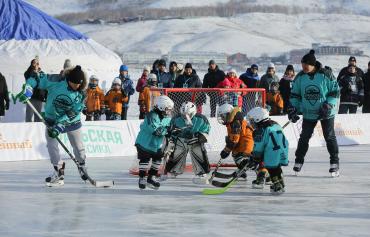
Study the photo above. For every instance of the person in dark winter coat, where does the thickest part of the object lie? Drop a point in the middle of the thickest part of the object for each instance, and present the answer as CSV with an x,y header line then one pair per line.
x,y
351,91
4,96
210,80
268,78
164,78
351,62
366,80
285,85
251,78
127,87
39,95
174,72
189,79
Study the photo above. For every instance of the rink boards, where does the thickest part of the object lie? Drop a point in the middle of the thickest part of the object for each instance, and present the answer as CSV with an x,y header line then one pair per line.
x,y
26,141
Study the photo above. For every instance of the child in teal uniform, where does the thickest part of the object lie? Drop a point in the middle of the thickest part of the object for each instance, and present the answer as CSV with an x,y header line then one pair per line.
x,y
150,140
63,107
270,147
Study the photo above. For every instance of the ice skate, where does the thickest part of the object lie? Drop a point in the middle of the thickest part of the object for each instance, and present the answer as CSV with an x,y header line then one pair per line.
x,y
277,186
83,171
153,183
142,182
334,170
258,183
201,179
297,168
56,178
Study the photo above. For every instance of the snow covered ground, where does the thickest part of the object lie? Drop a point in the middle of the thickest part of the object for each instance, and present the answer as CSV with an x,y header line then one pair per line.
x,y
313,205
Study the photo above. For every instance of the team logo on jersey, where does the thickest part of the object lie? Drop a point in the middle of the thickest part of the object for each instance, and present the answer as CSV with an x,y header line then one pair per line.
x,y
65,106
312,94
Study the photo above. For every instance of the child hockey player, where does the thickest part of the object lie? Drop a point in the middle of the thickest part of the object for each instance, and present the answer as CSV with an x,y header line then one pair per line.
x,y
94,100
270,147
239,139
64,103
114,100
193,129
315,94
150,139
274,99
146,97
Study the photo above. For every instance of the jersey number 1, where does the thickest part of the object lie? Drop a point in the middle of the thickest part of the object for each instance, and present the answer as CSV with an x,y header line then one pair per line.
x,y
276,146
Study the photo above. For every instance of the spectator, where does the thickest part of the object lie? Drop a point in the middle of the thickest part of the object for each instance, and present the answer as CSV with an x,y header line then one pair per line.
x,y
285,85
188,80
114,99
164,78
174,72
274,100
4,97
251,78
351,62
155,67
236,83
127,88
39,95
366,80
146,97
351,91
141,83
67,64
210,80
180,69
94,100
269,77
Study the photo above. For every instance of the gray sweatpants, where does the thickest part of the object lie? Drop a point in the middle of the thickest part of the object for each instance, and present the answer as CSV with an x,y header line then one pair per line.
x,y
75,138
30,115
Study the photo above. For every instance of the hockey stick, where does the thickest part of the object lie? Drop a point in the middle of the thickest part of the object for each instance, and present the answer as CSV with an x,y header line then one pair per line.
x,y
98,184
215,171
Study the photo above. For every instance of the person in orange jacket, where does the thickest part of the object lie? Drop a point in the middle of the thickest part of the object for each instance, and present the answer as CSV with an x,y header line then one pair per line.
x,y
114,99
146,97
239,139
274,100
94,100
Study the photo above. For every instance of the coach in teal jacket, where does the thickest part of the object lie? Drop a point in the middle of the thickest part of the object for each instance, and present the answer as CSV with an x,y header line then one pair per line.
x,y
315,95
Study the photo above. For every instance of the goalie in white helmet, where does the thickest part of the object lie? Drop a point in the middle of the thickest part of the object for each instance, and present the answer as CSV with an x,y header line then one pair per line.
x,y
270,147
190,131
150,139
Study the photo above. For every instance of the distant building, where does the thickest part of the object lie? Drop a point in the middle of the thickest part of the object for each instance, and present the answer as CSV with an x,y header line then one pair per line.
x,y
237,59
140,58
196,57
335,50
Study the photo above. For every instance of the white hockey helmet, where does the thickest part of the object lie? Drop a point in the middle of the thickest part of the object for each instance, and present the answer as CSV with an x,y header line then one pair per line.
x,y
223,113
94,79
164,104
152,79
257,115
188,110
117,81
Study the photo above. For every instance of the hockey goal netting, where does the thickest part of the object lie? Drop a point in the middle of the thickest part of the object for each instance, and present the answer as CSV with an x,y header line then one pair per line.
x,y
207,102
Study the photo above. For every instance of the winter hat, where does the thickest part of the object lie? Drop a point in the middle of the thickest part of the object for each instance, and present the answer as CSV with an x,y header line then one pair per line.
x,y
271,65
146,68
93,77
173,63
352,58
254,66
289,67
161,62
123,68
232,70
309,58
117,81
188,65
211,62
76,75
67,64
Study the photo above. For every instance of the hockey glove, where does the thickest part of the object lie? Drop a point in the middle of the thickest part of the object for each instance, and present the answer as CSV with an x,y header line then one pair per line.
x,y
55,130
224,154
292,114
325,110
25,94
201,137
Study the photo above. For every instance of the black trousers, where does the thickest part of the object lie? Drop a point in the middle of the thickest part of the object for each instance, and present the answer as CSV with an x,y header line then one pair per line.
x,y
329,135
345,109
124,113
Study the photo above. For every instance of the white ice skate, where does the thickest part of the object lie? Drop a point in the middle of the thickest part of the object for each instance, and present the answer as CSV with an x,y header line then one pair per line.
x,y
56,179
153,183
297,168
201,179
334,170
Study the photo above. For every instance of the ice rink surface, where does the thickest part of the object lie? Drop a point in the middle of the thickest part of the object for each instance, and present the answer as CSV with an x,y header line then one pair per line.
x,y
313,205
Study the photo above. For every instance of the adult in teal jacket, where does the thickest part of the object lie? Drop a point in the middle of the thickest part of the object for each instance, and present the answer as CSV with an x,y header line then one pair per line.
x,y
192,133
315,94
63,107
149,141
